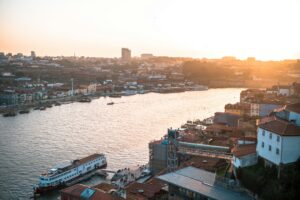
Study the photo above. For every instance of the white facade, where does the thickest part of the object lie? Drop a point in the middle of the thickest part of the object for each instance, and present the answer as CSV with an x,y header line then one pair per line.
x,y
92,88
254,109
284,91
276,148
294,117
55,178
244,161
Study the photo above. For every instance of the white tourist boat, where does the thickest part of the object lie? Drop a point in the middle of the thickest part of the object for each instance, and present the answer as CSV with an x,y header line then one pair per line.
x,y
63,173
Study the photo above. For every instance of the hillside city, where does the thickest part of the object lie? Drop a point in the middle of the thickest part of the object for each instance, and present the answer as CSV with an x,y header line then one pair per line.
x,y
250,150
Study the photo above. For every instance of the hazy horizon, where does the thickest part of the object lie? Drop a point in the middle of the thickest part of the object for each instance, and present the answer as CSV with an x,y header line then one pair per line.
x,y
267,30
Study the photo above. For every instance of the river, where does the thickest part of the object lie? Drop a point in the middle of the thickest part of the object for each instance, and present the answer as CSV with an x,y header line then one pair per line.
x,y
31,143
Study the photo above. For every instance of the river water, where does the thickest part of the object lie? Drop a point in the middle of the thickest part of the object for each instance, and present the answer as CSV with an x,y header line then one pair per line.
x,y
31,143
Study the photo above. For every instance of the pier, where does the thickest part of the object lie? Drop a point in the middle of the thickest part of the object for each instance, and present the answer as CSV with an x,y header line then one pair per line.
x,y
98,172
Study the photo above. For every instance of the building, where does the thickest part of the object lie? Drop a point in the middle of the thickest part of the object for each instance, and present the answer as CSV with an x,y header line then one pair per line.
x,y
244,155
126,54
261,109
284,90
192,183
227,119
278,136
151,190
79,192
33,55
238,109
158,155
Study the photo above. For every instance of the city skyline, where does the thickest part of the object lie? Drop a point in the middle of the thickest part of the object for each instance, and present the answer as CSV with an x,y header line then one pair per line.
x,y
265,30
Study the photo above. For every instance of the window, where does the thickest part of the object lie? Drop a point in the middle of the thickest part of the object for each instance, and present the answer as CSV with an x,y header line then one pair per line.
x,y
263,133
262,144
270,148
270,136
278,138
277,151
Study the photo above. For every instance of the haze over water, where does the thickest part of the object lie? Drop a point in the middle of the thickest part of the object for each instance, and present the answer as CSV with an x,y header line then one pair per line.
x,y
30,144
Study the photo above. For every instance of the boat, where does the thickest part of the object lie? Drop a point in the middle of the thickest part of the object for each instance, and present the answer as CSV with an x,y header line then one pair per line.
x,y
10,114
57,104
110,103
49,106
115,95
24,111
129,92
84,100
65,173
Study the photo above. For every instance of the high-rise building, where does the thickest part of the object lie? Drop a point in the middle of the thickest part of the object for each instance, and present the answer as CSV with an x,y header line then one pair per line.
x,y
126,54
33,55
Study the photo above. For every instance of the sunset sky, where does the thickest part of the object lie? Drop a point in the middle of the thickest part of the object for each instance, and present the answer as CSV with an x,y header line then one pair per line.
x,y
266,29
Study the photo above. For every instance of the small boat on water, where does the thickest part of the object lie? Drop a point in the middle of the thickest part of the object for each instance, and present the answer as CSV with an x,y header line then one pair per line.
x,y
66,173
115,96
42,108
24,111
10,114
57,104
110,103
84,100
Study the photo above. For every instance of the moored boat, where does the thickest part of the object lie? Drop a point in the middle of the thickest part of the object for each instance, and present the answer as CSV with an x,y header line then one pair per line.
x,y
84,100
62,174
10,114
24,111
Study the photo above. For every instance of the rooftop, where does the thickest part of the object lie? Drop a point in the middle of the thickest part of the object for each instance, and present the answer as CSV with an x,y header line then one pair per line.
x,y
202,182
281,127
243,150
207,163
293,107
147,190
80,191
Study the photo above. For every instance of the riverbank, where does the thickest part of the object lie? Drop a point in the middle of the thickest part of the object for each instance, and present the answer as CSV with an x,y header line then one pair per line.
x,y
13,110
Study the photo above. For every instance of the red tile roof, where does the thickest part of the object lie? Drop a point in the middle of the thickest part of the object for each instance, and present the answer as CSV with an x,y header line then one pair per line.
x,y
75,191
147,190
293,107
243,150
281,127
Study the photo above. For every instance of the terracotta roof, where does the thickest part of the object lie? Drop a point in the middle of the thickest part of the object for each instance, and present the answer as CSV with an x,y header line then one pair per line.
x,y
293,107
207,163
75,191
243,150
147,190
281,127
219,127
266,119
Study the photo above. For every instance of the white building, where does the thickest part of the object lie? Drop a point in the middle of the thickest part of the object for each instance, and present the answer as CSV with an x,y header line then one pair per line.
x,y
254,109
284,90
244,155
92,88
279,137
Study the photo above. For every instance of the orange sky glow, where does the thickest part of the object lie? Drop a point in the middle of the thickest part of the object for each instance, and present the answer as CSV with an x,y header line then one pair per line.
x,y
265,29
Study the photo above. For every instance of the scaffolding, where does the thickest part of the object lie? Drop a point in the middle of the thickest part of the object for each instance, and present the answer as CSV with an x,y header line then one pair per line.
x,y
172,150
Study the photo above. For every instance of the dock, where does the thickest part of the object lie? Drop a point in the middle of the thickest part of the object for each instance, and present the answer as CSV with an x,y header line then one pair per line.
x,y
126,176
99,172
